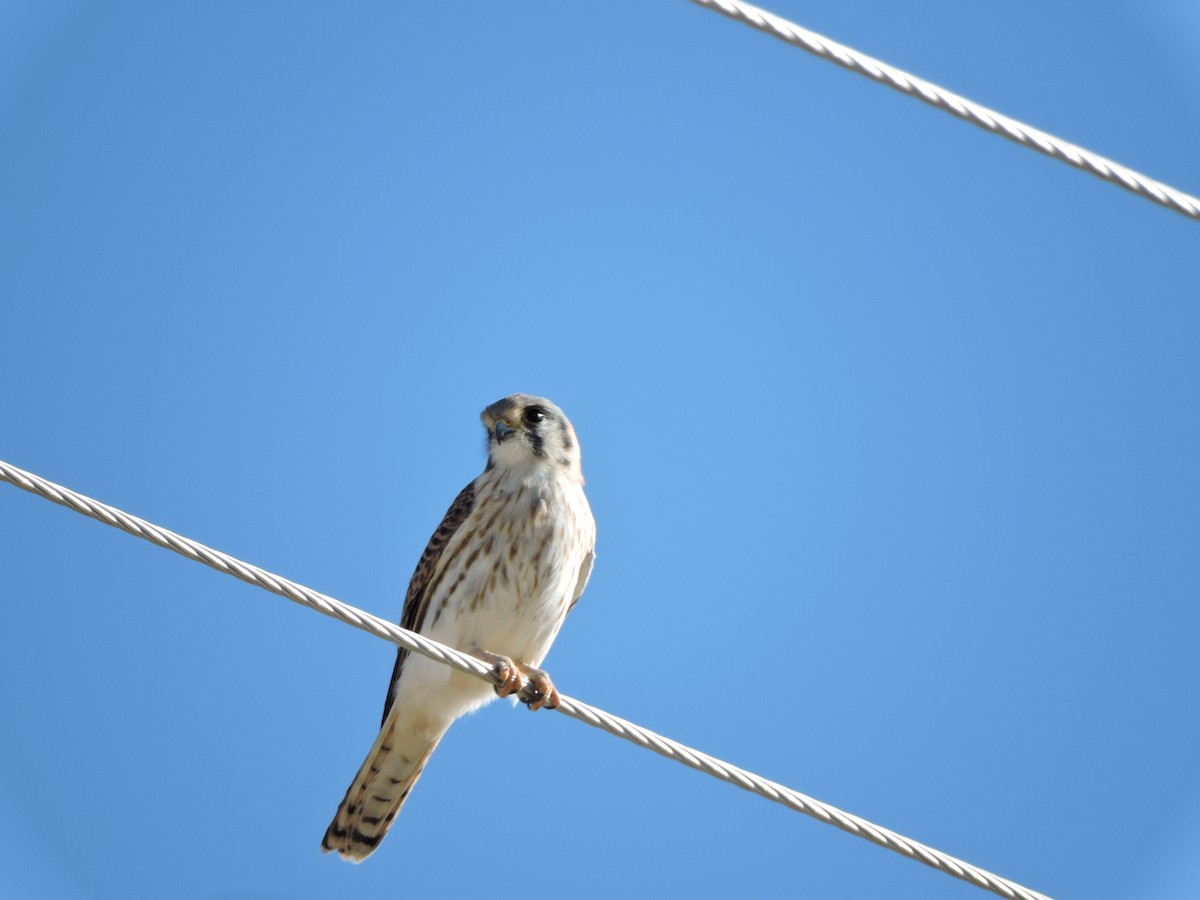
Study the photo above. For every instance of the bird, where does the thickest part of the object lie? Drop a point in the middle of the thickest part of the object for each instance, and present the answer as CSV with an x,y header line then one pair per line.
x,y
509,560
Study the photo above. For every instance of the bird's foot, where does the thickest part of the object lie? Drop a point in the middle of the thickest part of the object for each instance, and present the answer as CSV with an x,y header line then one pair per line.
x,y
539,690
533,687
506,674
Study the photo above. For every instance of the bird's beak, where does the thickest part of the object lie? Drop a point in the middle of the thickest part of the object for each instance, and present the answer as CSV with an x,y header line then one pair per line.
x,y
503,430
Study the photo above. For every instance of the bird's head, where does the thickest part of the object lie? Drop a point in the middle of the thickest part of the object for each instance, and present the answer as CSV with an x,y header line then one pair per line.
x,y
529,431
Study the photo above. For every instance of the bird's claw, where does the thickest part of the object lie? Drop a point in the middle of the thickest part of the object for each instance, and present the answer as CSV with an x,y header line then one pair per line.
x,y
506,674
538,691
533,687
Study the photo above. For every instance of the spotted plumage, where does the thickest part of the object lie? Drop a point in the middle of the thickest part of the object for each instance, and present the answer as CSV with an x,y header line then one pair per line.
x,y
508,562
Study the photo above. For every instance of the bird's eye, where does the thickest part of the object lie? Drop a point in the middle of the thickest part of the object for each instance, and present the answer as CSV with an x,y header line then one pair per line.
x,y
533,415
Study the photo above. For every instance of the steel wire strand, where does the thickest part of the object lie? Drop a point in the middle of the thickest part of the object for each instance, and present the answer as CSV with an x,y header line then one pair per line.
x,y
576,709
976,114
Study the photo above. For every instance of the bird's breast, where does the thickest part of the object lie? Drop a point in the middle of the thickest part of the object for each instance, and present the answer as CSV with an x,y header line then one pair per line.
x,y
514,569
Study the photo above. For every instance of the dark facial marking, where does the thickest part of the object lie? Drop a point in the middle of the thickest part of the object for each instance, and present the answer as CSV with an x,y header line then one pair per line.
x,y
533,417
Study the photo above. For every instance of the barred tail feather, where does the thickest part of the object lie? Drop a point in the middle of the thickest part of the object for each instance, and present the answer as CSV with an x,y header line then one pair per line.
x,y
378,791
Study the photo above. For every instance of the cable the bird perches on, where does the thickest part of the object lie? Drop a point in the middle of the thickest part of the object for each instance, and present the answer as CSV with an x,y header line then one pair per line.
x,y
969,111
576,709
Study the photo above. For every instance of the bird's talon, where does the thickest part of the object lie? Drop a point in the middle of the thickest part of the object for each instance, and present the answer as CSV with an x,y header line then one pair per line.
x,y
506,674
538,691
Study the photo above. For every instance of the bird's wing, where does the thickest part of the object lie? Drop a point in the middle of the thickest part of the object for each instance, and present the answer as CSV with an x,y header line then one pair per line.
x,y
585,572
416,601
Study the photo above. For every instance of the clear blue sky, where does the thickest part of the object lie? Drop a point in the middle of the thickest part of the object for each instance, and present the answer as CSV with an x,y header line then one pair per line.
x,y
890,428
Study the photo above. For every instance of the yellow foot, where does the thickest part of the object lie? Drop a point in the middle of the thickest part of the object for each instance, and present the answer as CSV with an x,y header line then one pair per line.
x,y
538,690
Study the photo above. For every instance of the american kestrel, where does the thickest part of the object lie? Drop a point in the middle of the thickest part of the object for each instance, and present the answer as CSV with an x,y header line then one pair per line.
x,y
498,577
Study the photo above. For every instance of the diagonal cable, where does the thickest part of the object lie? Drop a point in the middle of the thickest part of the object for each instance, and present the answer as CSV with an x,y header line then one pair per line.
x,y
976,114
576,709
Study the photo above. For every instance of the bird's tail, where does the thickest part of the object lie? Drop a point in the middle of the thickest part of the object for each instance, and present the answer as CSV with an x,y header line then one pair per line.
x,y
378,791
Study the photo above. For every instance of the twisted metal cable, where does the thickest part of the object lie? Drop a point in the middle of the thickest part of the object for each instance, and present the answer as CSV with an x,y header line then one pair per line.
x,y
965,109
576,709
